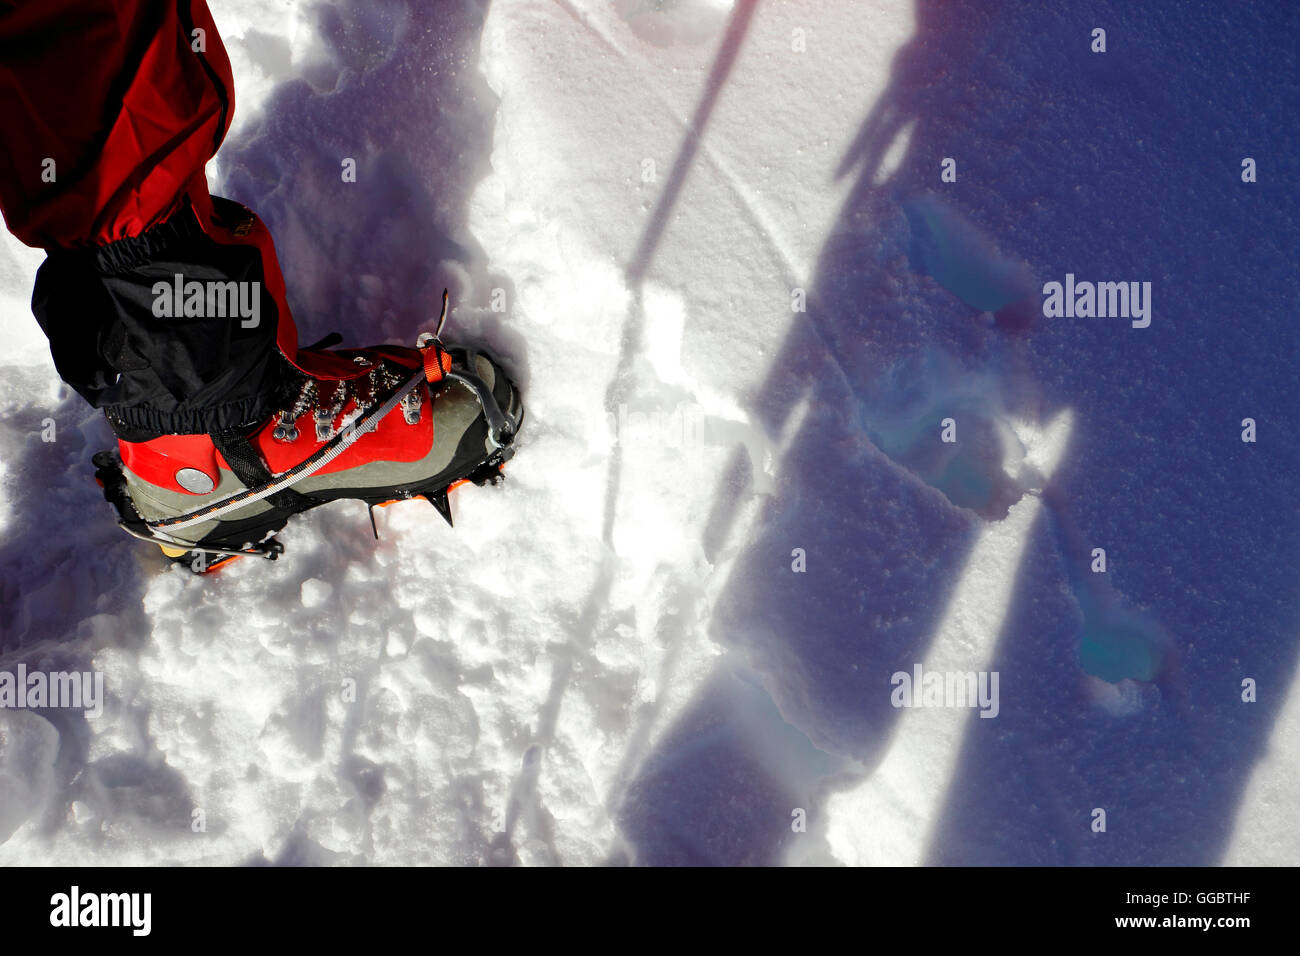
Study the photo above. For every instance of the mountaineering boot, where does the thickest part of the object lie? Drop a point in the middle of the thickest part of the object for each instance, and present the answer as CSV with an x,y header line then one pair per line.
x,y
377,424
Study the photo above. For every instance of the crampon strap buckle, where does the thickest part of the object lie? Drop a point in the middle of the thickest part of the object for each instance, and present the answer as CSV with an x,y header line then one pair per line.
x,y
439,368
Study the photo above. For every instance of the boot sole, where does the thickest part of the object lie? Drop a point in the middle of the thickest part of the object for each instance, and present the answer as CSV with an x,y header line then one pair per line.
x,y
465,468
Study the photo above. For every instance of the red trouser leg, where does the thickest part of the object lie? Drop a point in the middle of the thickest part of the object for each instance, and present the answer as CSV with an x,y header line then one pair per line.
x,y
107,115
109,110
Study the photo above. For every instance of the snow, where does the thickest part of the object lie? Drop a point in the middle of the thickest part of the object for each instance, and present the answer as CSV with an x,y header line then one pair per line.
x,y
611,659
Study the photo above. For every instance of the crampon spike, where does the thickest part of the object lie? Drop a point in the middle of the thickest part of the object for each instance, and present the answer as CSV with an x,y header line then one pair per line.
x,y
439,501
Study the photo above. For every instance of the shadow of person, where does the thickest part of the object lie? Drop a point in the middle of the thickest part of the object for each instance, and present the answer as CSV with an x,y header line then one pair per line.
x,y
1062,166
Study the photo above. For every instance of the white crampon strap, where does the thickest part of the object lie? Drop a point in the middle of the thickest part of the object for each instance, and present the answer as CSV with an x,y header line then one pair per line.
x,y
305,469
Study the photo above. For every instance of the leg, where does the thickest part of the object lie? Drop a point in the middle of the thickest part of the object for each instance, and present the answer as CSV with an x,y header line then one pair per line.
x,y
109,110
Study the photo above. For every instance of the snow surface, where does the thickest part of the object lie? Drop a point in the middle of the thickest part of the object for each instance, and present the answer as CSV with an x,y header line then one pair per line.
x,y
610,659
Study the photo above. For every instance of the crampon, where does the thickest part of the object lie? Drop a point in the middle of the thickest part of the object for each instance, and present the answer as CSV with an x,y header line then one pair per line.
x,y
379,425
